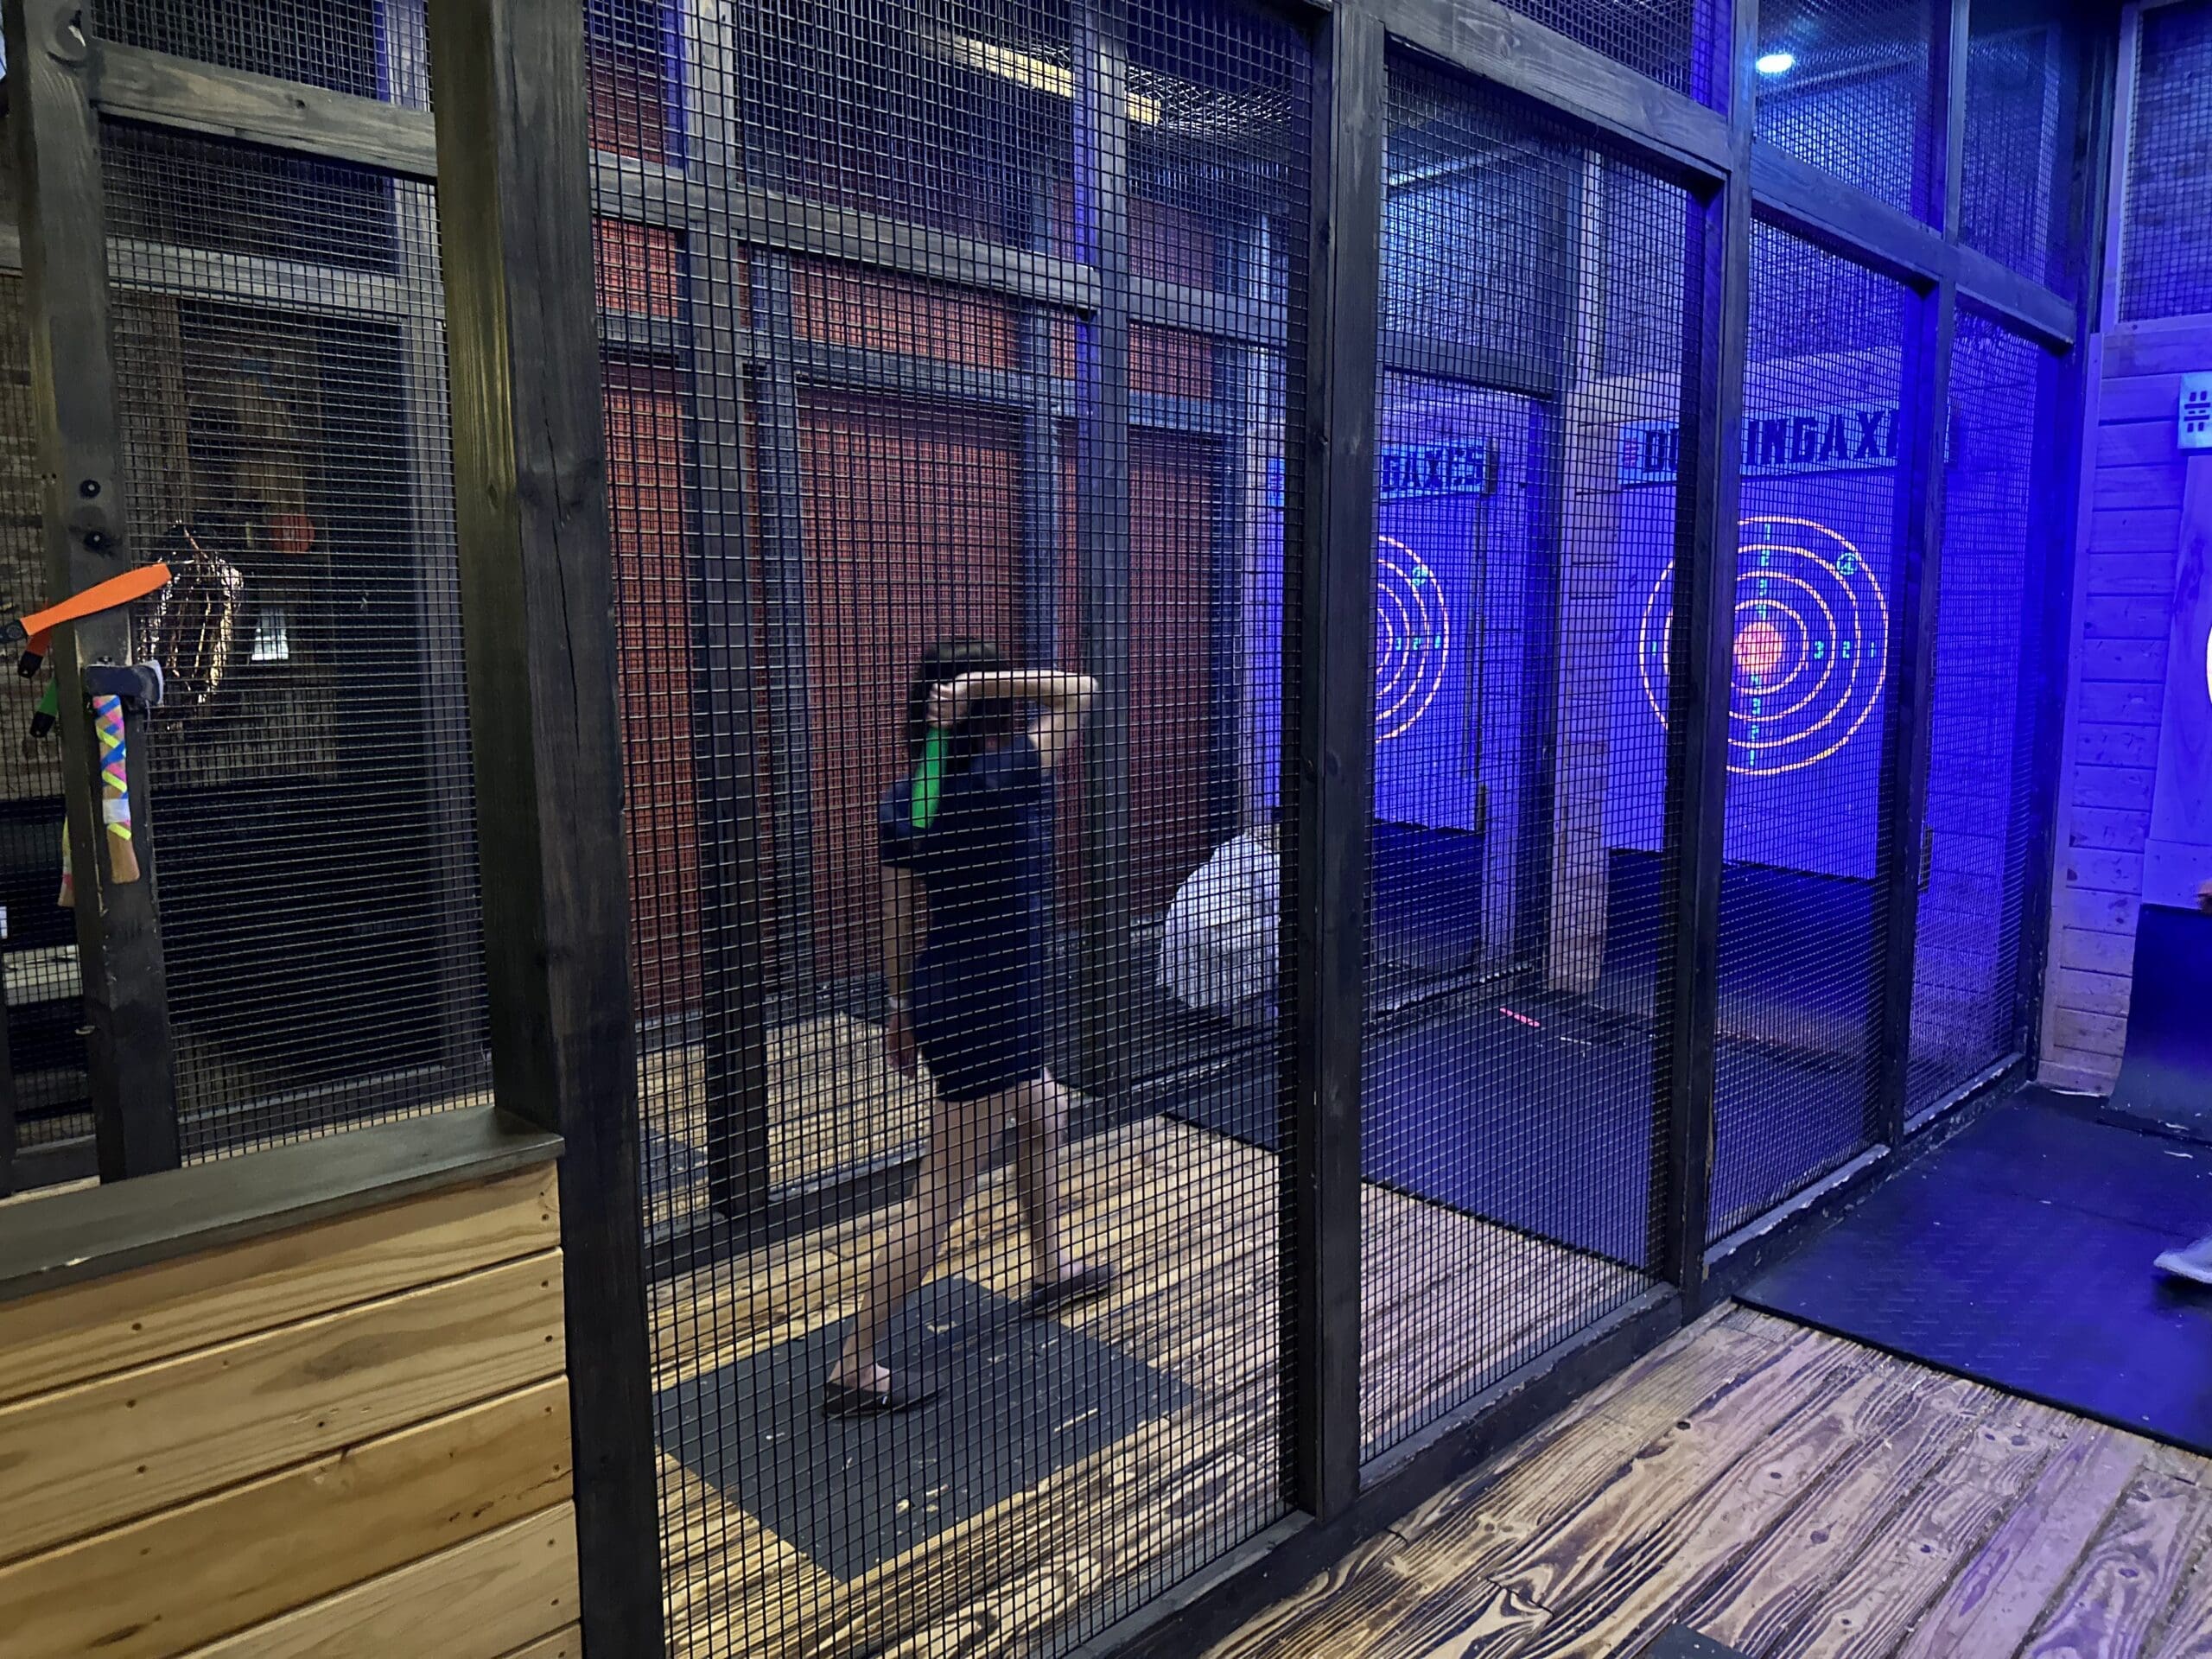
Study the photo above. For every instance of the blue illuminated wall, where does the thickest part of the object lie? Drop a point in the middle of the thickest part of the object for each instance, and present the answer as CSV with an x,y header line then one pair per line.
x,y
1453,638
1811,636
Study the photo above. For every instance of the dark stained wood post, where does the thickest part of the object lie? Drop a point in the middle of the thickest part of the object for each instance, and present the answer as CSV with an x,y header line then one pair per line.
x,y
61,210
1329,764
1716,308
537,594
1931,315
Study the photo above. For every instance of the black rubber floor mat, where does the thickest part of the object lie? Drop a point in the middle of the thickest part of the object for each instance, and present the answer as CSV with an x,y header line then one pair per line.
x,y
2021,1255
1545,1127
1017,1400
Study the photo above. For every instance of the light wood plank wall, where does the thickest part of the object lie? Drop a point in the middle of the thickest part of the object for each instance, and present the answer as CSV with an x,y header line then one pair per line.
x,y
348,1438
2145,500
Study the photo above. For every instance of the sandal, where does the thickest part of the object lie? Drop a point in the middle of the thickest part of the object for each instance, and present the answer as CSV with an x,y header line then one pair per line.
x,y
844,1400
1084,1285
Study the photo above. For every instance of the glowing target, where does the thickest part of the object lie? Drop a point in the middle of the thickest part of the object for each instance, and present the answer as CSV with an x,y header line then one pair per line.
x,y
1413,638
1811,649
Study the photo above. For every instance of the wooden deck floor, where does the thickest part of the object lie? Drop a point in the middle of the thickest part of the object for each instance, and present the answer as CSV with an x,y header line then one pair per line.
x,y
1787,1494
1189,1216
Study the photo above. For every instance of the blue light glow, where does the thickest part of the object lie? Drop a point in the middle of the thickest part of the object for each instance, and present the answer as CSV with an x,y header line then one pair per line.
x,y
1776,63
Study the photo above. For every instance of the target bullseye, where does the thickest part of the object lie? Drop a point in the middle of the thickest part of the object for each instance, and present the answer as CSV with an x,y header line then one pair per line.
x,y
1413,641
1758,651
1810,649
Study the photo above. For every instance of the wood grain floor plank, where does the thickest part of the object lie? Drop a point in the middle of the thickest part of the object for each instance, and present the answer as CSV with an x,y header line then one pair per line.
x,y
1654,1539
1547,1491
1941,1526
1776,1585
2133,1571
2001,1595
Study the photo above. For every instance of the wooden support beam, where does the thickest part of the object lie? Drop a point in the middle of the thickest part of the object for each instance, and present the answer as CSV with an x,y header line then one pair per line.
x,y
1485,38
1328,764
1716,313
537,589
129,83
87,527
1918,537
725,769
1101,540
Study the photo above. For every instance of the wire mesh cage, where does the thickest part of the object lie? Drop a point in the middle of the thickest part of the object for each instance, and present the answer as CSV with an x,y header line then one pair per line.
x,y
1530,356
1677,43
280,367
38,945
2165,264
2023,92
339,45
1802,917
1974,857
954,334
1845,84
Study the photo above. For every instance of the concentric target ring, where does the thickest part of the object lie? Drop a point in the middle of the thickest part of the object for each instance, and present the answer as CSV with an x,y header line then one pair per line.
x,y
1413,638
1811,647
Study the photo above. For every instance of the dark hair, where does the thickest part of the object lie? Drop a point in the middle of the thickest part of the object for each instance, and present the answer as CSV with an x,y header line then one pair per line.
x,y
948,660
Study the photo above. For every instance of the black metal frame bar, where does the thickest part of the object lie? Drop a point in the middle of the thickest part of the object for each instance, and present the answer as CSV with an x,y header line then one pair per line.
x,y
537,591
130,1062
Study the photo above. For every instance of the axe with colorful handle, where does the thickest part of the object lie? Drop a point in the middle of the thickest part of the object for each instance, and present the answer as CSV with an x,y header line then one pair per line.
x,y
107,687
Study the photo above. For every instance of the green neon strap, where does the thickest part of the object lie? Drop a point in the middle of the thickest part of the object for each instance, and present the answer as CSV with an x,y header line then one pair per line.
x,y
49,702
929,778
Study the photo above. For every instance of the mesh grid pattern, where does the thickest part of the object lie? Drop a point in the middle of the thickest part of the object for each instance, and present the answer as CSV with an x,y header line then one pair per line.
x,y
1508,1122
1664,40
40,947
2166,258
1965,1010
335,44
846,420
2022,85
281,369
1802,931
1855,99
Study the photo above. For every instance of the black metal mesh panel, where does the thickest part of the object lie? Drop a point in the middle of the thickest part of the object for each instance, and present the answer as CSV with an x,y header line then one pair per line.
x,y
1801,929
338,44
2023,85
280,362
1973,874
953,322
2165,257
1668,40
38,945
1531,344
1844,85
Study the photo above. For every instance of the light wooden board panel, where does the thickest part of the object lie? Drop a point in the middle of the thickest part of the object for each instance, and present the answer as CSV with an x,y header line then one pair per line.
x,y
1189,1218
112,1324
244,1555
481,1599
2169,345
101,1453
561,1644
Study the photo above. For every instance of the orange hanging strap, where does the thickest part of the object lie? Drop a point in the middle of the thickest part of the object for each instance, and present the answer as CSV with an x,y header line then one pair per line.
x,y
100,597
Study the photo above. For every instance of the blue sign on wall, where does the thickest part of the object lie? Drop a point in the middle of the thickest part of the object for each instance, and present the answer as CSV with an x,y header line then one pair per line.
x,y
1841,437
1417,471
